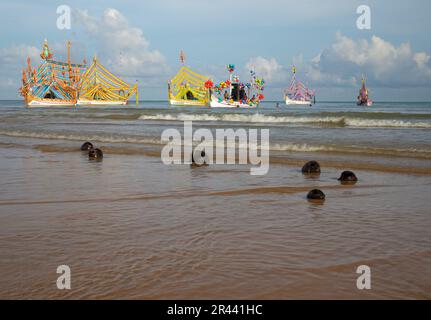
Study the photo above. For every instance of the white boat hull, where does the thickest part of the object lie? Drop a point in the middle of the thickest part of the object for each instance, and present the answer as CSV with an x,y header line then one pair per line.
x,y
215,103
298,102
369,103
187,103
50,103
85,102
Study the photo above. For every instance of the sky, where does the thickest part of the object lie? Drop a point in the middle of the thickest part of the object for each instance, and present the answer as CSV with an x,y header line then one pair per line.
x,y
141,40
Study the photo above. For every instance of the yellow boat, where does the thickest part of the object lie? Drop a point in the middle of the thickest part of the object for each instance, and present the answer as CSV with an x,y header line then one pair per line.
x,y
101,87
188,88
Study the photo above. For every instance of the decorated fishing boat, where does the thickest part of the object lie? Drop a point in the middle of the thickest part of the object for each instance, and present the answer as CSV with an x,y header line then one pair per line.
x,y
233,93
188,88
100,87
298,93
364,98
53,83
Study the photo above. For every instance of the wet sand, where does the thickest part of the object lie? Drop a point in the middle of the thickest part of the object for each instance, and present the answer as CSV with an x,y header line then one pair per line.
x,y
131,227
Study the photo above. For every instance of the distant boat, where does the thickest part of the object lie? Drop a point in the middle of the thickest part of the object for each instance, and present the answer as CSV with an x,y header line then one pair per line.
x,y
364,98
298,93
188,88
65,84
53,83
99,87
234,94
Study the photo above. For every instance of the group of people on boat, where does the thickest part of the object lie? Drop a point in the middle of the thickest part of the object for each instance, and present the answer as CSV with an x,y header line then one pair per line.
x,y
239,95
243,98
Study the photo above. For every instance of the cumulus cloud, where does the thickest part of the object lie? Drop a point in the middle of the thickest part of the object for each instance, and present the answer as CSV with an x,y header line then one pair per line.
x,y
15,54
12,60
269,69
342,64
383,63
124,47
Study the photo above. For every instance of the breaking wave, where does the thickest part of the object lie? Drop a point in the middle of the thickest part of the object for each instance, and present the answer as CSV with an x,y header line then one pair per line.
x,y
341,121
80,137
277,147
400,152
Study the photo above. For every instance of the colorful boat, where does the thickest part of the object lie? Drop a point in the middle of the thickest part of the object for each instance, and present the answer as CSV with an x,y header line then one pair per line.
x,y
363,98
99,87
298,93
188,88
234,94
54,83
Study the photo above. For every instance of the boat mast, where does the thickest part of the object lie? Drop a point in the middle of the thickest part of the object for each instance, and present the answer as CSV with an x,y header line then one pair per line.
x,y
230,85
68,52
293,84
68,62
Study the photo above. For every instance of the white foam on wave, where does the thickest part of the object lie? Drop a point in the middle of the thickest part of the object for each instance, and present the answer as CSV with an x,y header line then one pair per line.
x,y
352,122
250,118
79,137
262,118
405,152
293,147
282,147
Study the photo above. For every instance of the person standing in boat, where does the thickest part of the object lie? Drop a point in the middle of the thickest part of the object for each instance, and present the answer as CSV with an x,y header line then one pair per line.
x,y
242,94
226,95
245,98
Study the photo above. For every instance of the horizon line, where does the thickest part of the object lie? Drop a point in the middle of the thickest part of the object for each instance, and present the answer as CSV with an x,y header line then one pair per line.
x,y
267,101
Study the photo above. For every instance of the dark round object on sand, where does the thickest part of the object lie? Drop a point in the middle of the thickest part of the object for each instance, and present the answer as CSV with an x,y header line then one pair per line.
x,y
87,146
311,167
95,154
348,176
199,158
316,194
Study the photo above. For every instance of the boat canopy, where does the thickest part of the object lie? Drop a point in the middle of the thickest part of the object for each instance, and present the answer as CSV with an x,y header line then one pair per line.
x,y
52,79
189,85
100,84
297,91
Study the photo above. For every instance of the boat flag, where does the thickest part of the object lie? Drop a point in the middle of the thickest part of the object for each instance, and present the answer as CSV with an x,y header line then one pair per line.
x,y
182,57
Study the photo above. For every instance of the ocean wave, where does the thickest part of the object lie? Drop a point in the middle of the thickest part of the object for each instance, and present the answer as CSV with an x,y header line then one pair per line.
x,y
386,123
275,147
117,116
341,121
372,115
296,147
400,152
80,137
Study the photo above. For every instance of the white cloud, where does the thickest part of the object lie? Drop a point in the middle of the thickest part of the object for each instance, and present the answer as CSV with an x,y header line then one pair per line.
x,y
383,63
422,61
269,69
343,63
17,53
124,47
12,60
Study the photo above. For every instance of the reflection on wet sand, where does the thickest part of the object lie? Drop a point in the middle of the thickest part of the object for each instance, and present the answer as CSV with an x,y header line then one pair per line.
x,y
131,227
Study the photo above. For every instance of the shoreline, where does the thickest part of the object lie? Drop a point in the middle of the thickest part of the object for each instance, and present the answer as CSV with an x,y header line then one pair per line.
x,y
288,158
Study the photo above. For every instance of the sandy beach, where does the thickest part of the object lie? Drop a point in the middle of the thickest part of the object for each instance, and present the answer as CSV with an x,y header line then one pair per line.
x,y
131,227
